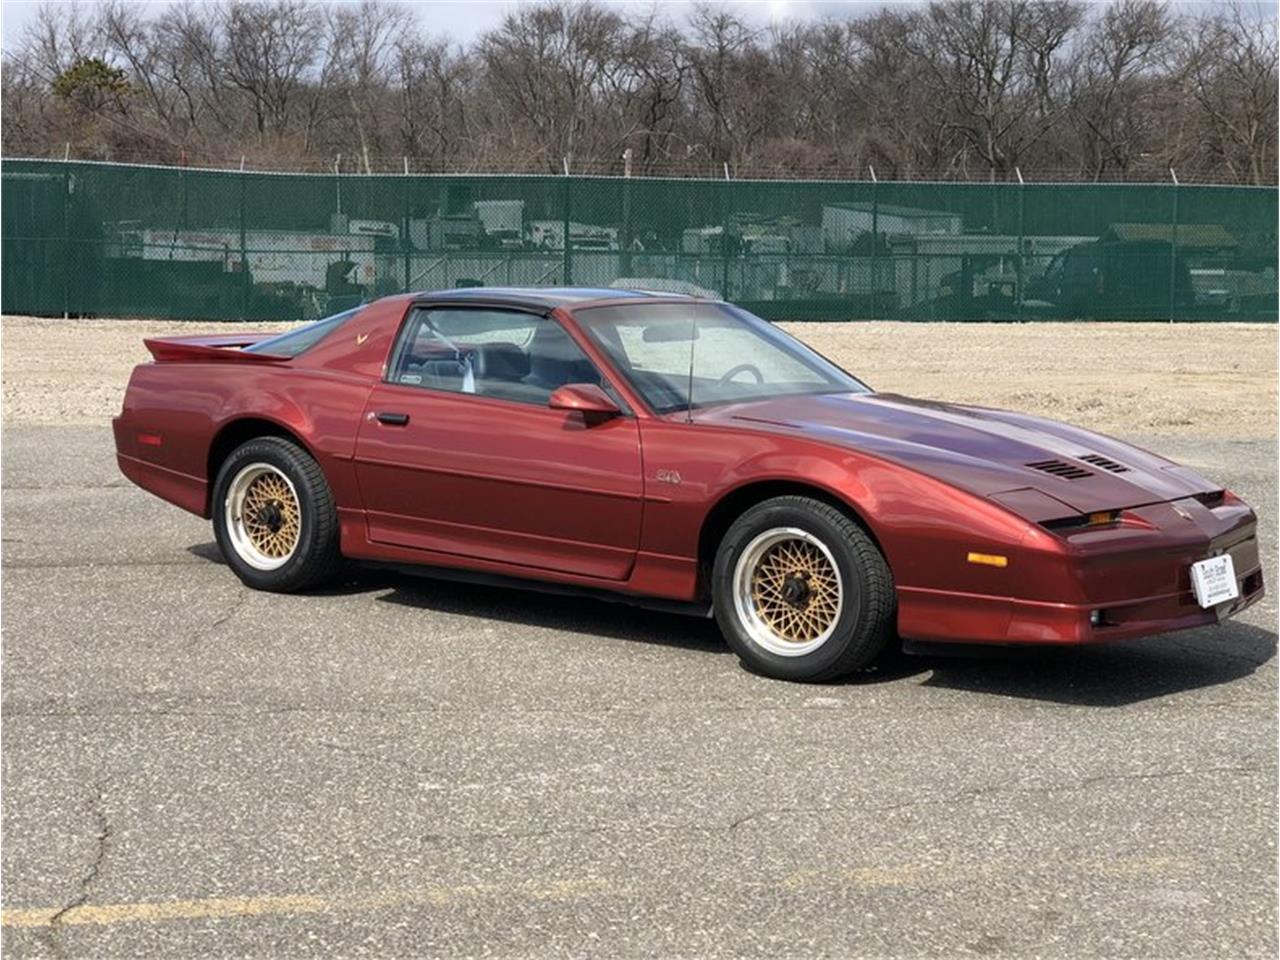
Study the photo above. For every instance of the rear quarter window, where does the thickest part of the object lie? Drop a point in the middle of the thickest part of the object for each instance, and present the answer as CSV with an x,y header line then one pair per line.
x,y
295,342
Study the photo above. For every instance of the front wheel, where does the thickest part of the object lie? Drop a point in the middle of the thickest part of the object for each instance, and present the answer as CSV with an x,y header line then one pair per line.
x,y
274,517
801,591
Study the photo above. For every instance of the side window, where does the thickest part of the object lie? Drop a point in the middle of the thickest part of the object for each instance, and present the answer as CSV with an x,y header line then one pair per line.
x,y
294,342
495,353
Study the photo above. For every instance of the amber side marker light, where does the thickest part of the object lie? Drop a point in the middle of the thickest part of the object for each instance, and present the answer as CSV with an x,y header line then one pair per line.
x,y
989,559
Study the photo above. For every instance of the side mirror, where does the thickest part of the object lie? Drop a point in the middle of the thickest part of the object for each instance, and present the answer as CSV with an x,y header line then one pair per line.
x,y
586,398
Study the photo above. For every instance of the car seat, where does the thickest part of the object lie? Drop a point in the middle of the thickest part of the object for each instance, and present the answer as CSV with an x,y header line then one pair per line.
x,y
555,360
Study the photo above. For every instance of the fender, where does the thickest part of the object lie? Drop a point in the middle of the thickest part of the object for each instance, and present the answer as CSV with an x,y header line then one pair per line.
x,y
326,426
906,512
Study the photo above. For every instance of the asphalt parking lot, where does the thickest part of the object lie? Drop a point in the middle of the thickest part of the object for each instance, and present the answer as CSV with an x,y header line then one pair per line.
x,y
400,767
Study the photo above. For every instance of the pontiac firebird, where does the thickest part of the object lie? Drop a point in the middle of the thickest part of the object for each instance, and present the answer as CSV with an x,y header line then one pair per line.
x,y
677,451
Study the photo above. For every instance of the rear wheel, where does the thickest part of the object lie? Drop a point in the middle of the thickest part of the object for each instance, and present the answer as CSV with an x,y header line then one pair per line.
x,y
274,517
801,591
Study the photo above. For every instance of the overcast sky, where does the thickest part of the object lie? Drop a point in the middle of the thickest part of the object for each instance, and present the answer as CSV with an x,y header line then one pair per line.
x,y
464,19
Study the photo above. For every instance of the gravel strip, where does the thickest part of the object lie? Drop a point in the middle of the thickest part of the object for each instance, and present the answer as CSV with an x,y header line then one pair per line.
x,y
1125,378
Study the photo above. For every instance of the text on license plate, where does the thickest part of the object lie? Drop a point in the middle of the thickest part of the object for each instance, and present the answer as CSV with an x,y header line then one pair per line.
x,y
1214,580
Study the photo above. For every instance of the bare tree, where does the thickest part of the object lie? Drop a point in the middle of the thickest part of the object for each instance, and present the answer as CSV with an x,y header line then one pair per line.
x,y
270,48
189,61
902,125
1230,70
546,67
1113,90
433,84
650,85
131,37
721,44
957,88
994,63
361,60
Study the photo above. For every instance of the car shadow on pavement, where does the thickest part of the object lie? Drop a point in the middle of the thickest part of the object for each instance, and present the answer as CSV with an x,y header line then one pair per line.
x,y
207,551
531,607
512,604
620,620
588,615
1111,675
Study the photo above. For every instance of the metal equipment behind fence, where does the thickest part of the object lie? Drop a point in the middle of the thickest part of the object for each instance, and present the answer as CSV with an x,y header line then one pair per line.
x,y
94,239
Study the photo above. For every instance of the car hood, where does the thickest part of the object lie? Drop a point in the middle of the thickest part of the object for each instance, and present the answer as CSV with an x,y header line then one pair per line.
x,y
981,450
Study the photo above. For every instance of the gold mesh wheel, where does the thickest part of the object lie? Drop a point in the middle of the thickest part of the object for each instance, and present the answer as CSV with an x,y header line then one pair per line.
x,y
264,516
788,592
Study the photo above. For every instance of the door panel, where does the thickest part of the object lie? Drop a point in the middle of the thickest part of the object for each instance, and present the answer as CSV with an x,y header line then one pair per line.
x,y
501,480
510,482
459,453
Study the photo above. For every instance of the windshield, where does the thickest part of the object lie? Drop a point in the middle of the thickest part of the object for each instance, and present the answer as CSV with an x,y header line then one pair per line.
x,y
295,341
734,356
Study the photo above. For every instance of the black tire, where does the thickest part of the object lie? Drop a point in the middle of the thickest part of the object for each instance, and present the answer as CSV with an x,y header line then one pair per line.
x,y
866,621
315,558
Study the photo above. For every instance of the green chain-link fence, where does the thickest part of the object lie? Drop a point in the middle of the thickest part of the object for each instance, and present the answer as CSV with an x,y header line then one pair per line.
x,y
88,239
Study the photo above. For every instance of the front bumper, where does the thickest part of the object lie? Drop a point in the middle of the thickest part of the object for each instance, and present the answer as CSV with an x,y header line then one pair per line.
x,y
943,617
1115,585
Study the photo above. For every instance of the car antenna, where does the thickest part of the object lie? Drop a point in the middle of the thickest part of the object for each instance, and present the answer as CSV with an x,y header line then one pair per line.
x,y
693,340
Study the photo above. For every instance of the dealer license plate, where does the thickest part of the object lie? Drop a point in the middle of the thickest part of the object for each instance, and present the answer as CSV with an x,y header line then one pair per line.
x,y
1214,580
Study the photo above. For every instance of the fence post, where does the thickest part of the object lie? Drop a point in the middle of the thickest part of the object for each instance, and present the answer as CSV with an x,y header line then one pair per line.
x,y
875,242
725,216
624,261
566,267
405,241
1173,249
1022,237
337,181
67,241
244,255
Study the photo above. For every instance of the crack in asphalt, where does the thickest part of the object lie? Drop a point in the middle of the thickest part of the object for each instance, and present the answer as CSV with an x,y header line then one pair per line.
x,y
103,832
540,777
204,633
45,487
963,795
997,788
84,887
89,564
19,711
380,713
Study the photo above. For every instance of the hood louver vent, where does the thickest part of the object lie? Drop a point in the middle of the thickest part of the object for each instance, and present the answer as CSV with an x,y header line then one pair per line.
x,y
1061,469
1101,461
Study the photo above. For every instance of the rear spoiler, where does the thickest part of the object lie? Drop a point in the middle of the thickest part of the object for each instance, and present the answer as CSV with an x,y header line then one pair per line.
x,y
211,349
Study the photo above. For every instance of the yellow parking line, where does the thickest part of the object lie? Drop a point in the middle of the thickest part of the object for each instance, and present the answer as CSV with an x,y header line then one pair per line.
x,y
863,877
222,908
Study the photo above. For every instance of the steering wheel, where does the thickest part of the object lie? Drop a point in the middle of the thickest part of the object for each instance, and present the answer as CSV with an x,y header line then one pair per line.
x,y
750,368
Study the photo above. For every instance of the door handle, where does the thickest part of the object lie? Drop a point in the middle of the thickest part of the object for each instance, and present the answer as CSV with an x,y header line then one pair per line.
x,y
392,419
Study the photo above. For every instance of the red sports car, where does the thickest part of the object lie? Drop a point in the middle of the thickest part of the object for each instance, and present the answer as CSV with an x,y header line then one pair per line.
x,y
677,451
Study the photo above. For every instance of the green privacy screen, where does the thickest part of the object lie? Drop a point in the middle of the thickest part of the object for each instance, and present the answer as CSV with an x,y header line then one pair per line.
x,y
106,240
